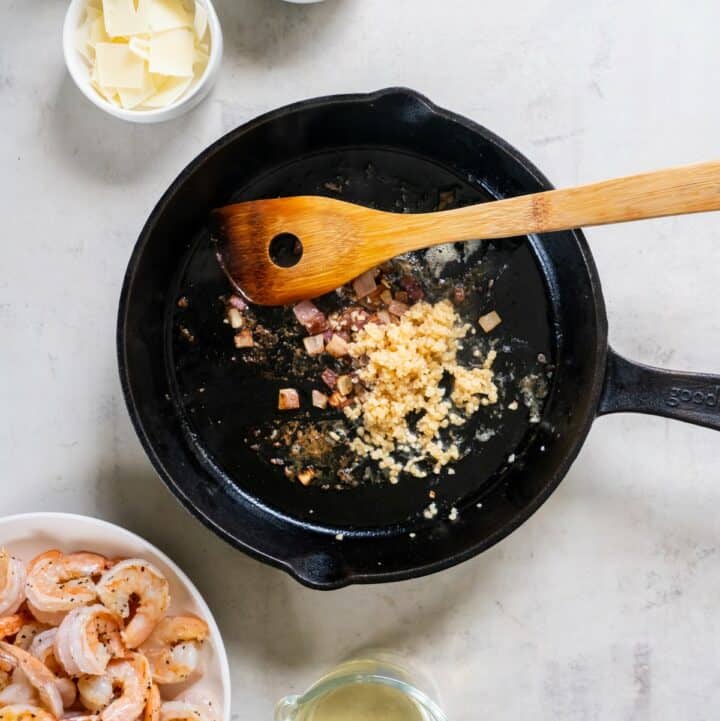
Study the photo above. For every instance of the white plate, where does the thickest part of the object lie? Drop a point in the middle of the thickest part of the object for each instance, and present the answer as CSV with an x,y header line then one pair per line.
x,y
28,534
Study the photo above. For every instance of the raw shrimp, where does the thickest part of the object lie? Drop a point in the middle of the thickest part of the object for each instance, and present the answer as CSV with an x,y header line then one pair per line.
x,y
131,677
12,583
26,635
172,648
135,578
11,625
152,707
37,673
185,711
24,712
87,639
58,583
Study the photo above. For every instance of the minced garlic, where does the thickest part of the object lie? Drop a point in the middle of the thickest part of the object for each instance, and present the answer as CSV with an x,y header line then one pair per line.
x,y
405,365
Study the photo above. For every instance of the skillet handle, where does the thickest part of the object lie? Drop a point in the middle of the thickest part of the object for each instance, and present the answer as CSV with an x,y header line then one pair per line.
x,y
635,388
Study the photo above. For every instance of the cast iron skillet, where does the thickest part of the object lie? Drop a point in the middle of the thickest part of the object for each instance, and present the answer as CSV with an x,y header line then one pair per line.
x,y
190,403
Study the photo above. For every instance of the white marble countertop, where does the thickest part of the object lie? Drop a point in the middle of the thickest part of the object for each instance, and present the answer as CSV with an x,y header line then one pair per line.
x,y
605,604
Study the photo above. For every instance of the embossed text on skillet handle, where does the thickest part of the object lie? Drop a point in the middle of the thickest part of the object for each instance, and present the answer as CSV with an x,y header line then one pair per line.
x,y
635,388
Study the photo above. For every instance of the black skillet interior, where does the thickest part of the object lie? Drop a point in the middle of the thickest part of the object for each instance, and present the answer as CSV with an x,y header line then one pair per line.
x,y
222,397
193,399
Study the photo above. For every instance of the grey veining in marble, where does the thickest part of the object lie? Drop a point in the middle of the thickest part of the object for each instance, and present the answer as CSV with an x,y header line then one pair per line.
x,y
605,605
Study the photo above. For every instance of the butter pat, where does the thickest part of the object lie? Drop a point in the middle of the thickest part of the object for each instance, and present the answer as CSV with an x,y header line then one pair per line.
x,y
173,53
118,67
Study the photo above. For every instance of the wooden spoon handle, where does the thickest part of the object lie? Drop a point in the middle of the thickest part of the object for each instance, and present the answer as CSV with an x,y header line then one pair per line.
x,y
687,189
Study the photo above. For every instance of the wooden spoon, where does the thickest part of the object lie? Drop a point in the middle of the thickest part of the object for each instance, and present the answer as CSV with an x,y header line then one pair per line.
x,y
287,249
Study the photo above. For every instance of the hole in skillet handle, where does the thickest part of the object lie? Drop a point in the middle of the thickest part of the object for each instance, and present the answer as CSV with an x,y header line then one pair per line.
x,y
285,250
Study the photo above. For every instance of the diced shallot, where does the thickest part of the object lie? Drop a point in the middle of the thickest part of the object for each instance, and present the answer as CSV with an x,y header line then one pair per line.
x,y
345,385
310,316
288,399
306,475
244,339
329,377
364,284
305,310
397,308
412,287
458,294
338,400
337,346
314,344
319,399
237,302
489,321
235,318
374,299
352,318
328,335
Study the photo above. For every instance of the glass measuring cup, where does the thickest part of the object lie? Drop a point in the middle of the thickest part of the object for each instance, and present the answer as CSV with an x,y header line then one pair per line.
x,y
375,685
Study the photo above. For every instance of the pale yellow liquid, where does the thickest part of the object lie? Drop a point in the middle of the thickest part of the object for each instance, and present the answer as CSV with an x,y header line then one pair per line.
x,y
362,702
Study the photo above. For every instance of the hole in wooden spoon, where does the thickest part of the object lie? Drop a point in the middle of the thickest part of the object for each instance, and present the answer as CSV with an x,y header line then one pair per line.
x,y
286,250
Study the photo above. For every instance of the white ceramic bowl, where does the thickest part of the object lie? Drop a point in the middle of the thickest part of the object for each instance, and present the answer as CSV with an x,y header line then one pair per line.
x,y
80,73
28,534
